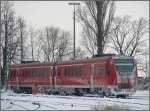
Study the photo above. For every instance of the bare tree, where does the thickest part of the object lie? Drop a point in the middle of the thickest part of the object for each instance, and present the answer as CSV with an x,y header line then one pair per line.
x,y
39,53
32,36
128,37
22,31
143,62
55,43
9,40
80,54
96,16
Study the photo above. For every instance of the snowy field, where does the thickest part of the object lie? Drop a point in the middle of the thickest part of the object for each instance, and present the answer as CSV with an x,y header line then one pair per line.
x,y
13,101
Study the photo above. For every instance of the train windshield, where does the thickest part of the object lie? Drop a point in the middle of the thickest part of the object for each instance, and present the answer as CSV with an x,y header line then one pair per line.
x,y
124,66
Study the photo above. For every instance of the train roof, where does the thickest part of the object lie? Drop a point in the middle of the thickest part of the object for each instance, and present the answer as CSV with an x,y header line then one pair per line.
x,y
31,64
87,60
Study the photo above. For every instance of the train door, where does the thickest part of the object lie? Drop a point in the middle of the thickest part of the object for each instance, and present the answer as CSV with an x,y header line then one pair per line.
x,y
58,76
54,77
91,77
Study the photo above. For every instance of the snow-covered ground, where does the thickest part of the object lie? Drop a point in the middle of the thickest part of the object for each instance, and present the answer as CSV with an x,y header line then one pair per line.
x,y
13,101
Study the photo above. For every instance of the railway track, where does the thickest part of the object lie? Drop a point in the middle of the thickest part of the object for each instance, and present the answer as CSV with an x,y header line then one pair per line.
x,y
69,102
12,103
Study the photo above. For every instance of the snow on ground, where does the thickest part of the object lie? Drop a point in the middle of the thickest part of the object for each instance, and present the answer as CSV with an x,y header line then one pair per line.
x,y
14,101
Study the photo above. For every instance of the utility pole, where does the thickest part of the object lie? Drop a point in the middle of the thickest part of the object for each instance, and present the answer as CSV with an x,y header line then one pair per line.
x,y
74,4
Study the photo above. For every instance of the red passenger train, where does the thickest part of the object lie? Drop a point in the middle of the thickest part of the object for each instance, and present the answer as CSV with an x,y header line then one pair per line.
x,y
105,75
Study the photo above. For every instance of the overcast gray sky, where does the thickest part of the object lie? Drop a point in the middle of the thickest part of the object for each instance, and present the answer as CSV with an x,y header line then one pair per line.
x,y
59,14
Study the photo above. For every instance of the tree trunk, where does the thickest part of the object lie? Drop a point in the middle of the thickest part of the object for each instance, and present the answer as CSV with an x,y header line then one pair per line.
x,y
21,36
4,71
100,37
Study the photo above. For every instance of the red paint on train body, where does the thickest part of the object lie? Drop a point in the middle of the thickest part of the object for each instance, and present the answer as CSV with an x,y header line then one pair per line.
x,y
108,71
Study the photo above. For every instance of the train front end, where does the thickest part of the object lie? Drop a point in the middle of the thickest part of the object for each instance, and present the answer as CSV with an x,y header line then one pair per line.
x,y
126,75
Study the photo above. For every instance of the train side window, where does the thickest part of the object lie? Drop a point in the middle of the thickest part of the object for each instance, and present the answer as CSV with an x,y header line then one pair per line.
x,y
43,72
46,72
35,72
76,71
79,71
38,73
11,73
58,71
15,73
106,69
65,71
97,70
82,70
29,73
68,71
25,74
22,73
100,70
73,71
